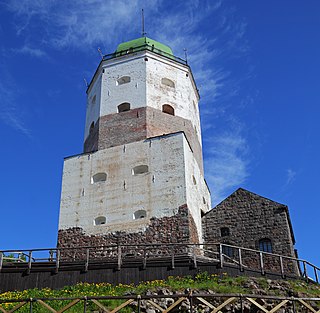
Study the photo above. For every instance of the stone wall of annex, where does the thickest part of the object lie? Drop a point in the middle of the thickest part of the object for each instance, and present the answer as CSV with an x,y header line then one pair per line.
x,y
245,218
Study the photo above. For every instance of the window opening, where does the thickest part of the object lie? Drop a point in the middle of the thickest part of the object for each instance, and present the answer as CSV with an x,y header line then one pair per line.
x,y
265,245
99,177
123,80
140,169
93,101
100,220
139,214
194,180
166,108
167,82
91,128
228,251
225,231
123,107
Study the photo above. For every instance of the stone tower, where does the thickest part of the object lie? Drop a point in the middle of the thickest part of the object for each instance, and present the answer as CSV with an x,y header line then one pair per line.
x,y
140,177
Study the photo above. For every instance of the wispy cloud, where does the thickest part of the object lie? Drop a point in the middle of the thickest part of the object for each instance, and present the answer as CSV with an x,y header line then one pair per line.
x,y
227,160
10,114
89,24
34,52
78,24
290,177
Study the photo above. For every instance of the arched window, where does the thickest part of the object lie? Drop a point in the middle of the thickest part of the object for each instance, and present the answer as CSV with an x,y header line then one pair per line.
x,y
100,220
224,231
123,107
140,169
194,180
166,108
91,128
139,214
99,177
123,80
167,82
265,245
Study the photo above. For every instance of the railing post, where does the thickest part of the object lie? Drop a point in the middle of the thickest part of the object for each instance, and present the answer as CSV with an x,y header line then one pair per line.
x,y
144,258
194,257
281,266
316,274
172,257
305,269
119,257
240,260
1,260
261,263
85,304
241,302
57,261
190,296
139,303
86,266
29,263
221,255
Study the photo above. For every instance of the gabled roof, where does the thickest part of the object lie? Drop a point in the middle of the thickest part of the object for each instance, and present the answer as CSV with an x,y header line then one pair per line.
x,y
243,192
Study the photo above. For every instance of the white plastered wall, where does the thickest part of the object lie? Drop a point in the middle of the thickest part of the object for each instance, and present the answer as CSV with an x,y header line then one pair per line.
x,y
183,97
144,89
159,192
198,194
93,104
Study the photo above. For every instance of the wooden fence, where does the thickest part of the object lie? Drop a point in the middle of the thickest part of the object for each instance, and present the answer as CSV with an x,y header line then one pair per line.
x,y
243,258
191,302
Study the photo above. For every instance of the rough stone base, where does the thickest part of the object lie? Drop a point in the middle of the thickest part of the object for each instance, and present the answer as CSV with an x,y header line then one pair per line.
x,y
179,228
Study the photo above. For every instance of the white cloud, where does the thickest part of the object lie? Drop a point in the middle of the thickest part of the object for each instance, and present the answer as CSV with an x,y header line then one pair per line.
x,y
290,176
10,114
226,164
34,52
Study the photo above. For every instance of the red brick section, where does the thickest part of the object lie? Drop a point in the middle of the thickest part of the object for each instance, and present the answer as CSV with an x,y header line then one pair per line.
x,y
179,228
139,124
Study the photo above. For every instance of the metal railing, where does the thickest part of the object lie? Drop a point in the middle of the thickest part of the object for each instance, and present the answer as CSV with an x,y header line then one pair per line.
x,y
191,302
142,48
215,253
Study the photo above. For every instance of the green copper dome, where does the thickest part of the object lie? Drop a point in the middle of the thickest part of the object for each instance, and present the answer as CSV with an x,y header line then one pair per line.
x,y
144,43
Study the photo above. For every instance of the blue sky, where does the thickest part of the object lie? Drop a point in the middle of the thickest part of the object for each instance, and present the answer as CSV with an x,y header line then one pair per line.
x,y
256,64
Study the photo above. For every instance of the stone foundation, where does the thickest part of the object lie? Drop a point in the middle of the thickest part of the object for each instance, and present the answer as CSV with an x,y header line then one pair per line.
x,y
179,228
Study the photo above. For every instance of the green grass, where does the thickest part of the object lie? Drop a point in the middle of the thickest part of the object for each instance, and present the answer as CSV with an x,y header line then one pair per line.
x,y
201,282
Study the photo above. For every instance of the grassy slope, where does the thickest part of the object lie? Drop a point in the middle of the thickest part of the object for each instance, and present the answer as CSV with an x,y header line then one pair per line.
x,y
202,282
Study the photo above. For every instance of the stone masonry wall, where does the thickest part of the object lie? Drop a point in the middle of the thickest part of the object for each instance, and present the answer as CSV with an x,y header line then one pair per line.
x,y
249,218
138,124
179,228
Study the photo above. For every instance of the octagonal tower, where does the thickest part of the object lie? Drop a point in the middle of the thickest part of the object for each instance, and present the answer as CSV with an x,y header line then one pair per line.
x,y
141,173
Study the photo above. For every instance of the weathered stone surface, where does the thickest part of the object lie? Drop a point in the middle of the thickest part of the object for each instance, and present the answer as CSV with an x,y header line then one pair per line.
x,y
250,218
174,229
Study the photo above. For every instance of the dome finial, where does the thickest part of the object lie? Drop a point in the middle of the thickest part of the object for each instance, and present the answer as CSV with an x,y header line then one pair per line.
x,y
142,24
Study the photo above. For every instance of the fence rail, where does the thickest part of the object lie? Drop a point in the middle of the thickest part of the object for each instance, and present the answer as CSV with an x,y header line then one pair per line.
x,y
215,253
189,302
